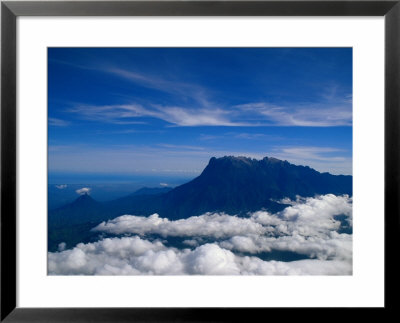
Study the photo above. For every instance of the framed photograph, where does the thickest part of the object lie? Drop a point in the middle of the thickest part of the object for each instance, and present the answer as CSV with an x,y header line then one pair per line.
x,y
162,159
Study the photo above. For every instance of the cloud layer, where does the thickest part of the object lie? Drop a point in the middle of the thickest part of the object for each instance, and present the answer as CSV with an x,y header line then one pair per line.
x,y
134,256
219,244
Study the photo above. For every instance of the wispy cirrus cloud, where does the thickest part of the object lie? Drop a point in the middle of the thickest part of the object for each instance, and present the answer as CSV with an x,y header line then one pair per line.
x,y
58,122
175,116
176,88
323,159
246,115
117,114
313,115
182,147
193,104
330,112
314,153
240,135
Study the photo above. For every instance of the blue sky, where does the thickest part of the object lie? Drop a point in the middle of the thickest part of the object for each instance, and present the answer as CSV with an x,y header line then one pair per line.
x,y
167,111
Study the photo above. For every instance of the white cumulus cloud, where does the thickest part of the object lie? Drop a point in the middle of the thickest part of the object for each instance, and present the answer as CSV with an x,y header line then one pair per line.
x,y
121,256
219,244
209,225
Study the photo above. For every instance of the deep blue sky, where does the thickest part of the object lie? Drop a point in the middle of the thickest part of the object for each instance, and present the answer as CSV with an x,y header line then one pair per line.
x,y
167,111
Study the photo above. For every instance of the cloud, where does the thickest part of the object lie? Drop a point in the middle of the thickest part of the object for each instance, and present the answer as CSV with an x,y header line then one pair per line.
x,y
253,136
324,159
119,114
180,116
181,147
255,266
181,89
332,111
62,246
310,115
219,244
58,122
61,186
173,115
210,259
308,217
204,113
164,184
134,256
191,106
245,115
83,190
312,153
208,225
335,247
306,227
108,256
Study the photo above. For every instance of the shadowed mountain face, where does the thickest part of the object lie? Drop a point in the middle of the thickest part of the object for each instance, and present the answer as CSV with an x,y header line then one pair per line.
x,y
237,185
234,185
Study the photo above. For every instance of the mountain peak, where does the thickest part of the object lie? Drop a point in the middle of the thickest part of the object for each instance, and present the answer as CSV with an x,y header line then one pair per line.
x,y
243,161
273,160
232,159
84,198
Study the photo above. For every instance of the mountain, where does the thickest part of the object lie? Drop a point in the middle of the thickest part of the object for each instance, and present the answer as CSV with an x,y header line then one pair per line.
x,y
72,222
83,209
237,185
86,209
234,185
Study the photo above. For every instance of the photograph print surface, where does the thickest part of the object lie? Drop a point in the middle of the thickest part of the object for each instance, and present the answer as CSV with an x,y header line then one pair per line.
x,y
200,161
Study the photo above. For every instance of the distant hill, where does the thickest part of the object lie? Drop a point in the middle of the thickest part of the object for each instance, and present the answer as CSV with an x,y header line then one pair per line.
x,y
234,185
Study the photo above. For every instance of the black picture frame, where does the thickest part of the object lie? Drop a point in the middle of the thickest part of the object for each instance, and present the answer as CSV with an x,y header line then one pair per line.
x,y
10,10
